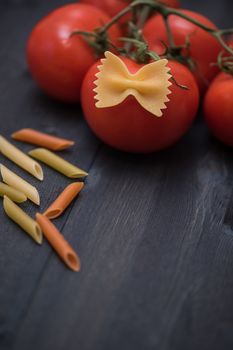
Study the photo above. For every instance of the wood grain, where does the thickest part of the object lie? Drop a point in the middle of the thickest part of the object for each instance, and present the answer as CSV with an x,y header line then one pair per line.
x,y
154,233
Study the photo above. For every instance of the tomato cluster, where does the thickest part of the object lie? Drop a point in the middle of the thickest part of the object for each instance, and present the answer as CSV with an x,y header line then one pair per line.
x,y
65,64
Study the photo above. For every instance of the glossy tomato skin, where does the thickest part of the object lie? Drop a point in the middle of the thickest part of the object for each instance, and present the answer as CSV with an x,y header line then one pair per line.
x,y
204,48
59,62
172,3
113,7
218,108
129,127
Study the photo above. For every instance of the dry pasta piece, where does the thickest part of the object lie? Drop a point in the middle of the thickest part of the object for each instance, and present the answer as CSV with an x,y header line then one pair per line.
x,y
20,158
12,193
58,242
57,163
20,184
41,139
63,200
149,85
23,220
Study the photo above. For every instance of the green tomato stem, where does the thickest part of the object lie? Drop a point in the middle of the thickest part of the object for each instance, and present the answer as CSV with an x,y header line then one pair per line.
x,y
100,42
140,23
169,32
166,11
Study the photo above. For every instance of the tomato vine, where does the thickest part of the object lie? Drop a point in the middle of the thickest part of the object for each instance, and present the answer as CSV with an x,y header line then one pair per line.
x,y
136,47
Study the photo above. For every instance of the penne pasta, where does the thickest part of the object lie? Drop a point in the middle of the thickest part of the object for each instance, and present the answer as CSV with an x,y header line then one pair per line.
x,y
20,158
63,200
19,184
57,163
29,225
12,193
35,137
58,242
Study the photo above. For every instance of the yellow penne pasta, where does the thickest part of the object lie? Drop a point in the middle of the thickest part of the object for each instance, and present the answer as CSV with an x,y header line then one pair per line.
x,y
22,219
57,163
12,193
19,184
20,158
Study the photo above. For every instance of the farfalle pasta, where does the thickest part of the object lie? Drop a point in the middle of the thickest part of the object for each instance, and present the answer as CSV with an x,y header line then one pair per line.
x,y
149,85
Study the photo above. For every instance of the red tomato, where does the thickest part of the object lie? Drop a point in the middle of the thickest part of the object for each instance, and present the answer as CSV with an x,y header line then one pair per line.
x,y
230,43
172,3
218,108
204,48
129,127
59,62
113,7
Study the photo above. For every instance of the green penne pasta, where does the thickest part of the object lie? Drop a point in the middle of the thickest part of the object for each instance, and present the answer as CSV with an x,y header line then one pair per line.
x,y
12,193
20,158
57,163
29,225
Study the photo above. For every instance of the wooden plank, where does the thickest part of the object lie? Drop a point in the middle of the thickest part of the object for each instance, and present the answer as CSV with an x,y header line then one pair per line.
x,y
154,251
23,105
153,232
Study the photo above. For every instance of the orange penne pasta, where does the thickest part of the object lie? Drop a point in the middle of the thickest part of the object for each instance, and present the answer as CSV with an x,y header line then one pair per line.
x,y
41,139
58,242
63,200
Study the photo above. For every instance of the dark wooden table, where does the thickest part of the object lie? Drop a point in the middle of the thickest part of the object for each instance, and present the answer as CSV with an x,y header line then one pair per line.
x,y
154,233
